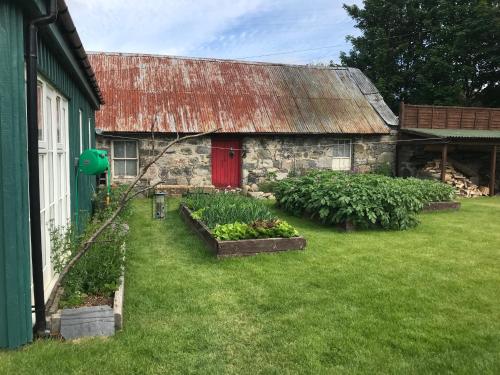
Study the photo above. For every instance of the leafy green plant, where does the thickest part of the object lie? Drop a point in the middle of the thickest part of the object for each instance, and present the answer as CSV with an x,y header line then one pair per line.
x,y
384,169
226,208
98,271
235,217
257,229
267,186
366,200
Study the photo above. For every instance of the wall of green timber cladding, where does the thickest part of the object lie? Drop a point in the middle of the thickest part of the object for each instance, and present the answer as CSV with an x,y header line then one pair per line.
x,y
15,273
15,284
53,71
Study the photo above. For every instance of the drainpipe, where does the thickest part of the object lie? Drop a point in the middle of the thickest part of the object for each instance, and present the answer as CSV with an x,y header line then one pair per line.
x,y
34,183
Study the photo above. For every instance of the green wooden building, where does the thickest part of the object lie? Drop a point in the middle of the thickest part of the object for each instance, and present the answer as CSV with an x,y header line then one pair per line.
x,y
65,96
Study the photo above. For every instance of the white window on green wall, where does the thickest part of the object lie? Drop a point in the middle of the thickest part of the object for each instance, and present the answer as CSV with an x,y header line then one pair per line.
x,y
90,132
125,159
342,151
80,128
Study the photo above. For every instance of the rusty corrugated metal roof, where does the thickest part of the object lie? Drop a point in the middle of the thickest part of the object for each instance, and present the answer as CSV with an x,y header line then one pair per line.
x,y
188,95
372,94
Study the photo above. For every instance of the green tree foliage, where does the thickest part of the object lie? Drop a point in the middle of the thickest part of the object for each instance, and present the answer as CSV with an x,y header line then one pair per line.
x,y
443,52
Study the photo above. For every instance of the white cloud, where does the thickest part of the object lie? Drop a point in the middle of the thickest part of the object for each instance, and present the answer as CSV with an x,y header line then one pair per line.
x,y
212,28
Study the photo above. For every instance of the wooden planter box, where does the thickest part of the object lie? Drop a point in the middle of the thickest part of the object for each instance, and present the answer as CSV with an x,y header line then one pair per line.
x,y
441,206
74,323
241,247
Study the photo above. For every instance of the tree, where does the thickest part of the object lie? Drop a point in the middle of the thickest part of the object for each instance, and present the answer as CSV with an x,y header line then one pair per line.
x,y
443,52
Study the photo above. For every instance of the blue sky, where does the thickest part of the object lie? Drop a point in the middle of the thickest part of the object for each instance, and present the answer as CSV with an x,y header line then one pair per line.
x,y
255,30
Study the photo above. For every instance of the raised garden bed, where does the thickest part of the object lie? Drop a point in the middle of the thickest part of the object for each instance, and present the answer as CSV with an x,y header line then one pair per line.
x,y
441,206
98,319
240,247
88,321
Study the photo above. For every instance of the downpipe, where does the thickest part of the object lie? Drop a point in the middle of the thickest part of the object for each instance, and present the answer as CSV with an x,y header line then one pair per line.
x,y
40,328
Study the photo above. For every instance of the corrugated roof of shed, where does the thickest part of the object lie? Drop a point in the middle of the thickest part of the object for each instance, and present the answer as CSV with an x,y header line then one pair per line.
x,y
189,95
455,133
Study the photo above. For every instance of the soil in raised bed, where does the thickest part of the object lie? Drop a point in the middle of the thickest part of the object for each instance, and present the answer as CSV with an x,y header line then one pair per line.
x,y
97,301
93,300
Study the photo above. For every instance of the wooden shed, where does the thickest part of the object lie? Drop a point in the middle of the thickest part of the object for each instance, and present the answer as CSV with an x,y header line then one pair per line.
x,y
470,134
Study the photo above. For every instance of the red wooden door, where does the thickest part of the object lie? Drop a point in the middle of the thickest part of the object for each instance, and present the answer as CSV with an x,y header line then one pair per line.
x,y
226,162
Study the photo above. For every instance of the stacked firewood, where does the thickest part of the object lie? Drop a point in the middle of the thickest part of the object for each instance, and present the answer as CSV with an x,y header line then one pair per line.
x,y
464,186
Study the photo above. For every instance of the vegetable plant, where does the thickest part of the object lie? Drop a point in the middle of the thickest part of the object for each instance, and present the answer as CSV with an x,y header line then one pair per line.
x,y
366,200
226,208
235,217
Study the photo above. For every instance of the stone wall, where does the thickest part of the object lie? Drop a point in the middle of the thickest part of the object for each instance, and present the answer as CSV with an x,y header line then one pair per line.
x,y
280,155
189,163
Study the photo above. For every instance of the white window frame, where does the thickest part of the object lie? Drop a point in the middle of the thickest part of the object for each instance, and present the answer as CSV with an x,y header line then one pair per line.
x,y
42,143
342,163
80,127
113,159
90,132
54,166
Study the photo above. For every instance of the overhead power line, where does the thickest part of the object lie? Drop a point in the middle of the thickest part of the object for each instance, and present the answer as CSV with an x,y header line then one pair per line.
x,y
322,47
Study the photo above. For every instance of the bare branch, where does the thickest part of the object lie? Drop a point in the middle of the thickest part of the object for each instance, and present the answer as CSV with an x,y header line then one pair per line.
x,y
125,198
143,190
157,157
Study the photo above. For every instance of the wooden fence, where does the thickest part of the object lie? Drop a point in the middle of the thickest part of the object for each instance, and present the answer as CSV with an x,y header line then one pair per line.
x,y
437,117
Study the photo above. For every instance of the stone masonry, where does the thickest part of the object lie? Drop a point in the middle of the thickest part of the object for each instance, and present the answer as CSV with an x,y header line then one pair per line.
x,y
280,155
189,163
186,163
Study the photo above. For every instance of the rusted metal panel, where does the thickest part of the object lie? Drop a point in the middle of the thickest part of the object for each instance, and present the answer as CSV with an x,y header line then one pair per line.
x,y
442,117
188,95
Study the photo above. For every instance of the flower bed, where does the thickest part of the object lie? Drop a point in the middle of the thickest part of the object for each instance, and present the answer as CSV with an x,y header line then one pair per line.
x,y
361,200
231,224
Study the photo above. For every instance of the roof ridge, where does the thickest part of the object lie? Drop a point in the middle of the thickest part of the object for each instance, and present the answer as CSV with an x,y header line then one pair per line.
x,y
213,59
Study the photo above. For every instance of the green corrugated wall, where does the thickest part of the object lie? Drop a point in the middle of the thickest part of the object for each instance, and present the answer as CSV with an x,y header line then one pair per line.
x,y
15,291
15,277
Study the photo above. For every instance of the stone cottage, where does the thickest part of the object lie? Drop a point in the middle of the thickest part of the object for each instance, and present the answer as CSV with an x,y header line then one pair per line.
x,y
273,119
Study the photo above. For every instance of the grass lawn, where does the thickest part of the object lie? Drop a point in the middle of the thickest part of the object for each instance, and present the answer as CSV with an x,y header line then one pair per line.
x,y
425,300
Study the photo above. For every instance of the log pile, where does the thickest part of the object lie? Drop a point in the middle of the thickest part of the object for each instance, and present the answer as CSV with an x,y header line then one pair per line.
x,y
464,186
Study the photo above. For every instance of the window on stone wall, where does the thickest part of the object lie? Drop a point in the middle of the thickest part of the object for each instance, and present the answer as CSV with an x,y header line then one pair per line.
x,y
342,151
125,159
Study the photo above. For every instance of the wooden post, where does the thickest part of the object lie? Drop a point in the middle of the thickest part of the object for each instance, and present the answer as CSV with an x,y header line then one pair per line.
x,y
444,161
493,170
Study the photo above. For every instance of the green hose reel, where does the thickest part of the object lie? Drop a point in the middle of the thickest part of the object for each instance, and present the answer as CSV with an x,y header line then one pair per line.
x,y
92,162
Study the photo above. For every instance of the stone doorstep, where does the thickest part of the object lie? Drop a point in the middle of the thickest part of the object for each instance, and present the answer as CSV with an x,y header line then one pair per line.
x,y
93,321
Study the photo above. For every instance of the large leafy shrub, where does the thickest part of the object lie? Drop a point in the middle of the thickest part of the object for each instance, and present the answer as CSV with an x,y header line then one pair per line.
x,y
227,208
366,200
